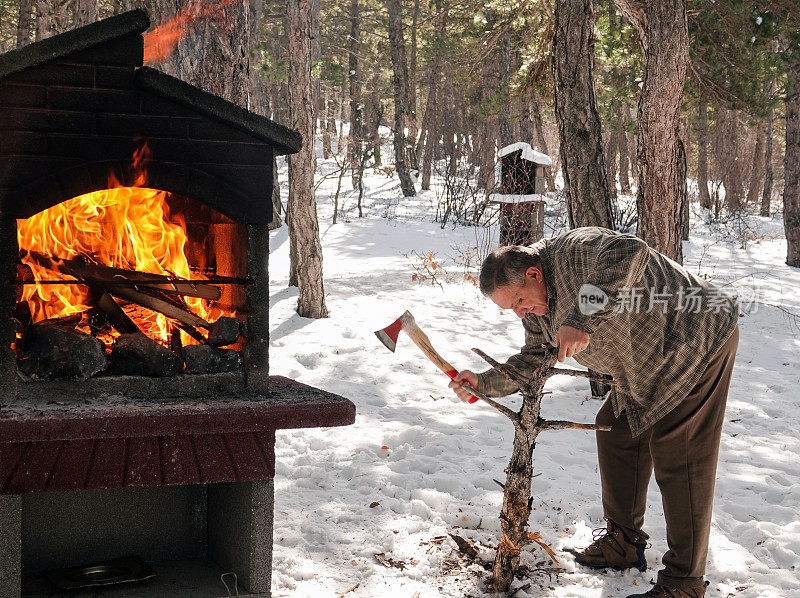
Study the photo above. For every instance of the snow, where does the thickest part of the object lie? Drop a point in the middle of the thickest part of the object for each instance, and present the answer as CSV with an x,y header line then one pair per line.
x,y
516,198
419,464
528,153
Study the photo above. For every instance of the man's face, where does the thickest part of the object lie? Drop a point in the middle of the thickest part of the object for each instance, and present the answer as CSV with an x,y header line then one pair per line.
x,y
530,298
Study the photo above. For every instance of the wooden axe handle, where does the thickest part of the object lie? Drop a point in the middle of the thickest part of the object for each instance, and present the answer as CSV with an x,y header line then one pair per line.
x,y
424,343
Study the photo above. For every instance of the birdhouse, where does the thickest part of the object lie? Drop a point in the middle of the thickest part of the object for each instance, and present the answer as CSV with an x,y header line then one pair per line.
x,y
521,197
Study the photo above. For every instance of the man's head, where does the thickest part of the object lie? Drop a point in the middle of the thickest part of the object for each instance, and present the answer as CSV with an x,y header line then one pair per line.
x,y
512,277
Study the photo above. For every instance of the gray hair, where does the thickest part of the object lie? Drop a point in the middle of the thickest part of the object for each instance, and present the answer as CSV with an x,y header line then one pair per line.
x,y
506,266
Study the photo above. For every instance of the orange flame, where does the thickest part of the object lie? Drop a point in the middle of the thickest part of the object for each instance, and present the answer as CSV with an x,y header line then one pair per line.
x,y
124,227
161,41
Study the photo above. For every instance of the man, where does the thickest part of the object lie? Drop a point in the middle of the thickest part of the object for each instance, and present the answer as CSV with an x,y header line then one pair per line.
x,y
669,340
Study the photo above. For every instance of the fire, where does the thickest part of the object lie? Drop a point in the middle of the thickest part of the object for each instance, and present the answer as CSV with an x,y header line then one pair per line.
x,y
161,41
124,227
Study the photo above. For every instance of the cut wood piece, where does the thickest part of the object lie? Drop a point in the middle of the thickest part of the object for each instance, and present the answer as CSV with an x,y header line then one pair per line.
x,y
97,272
164,307
118,318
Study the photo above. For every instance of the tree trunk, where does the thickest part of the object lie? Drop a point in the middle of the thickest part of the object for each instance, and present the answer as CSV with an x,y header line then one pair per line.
x,y
541,140
624,152
665,40
583,164
611,164
276,197
733,171
354,147
325,121
24,23
85,12
413,125
791,159
431,120
757,170
401,95
302,208
702,154
766,197
216,57
505,75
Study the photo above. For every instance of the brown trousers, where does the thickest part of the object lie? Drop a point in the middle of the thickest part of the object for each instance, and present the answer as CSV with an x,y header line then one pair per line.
x,y
682,448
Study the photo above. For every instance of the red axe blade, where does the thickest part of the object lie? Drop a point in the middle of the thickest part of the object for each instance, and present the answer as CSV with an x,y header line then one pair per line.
x,y
388,335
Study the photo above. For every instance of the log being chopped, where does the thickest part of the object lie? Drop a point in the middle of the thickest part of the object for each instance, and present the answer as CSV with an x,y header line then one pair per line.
x,y
528,423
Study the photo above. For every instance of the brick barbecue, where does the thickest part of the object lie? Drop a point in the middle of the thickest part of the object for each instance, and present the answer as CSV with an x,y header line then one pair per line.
x,y
175,469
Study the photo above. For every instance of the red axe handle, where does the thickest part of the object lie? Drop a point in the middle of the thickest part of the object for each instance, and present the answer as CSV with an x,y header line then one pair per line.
x,y
424,343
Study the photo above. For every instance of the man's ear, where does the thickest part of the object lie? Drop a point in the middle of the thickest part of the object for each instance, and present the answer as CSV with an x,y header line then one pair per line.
x,y
534,273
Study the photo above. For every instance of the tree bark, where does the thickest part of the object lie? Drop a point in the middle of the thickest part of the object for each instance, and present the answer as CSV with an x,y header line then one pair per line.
x,y
791,158
664,37
24,23
702,154
766,196
302,208
401,95
85,12
583,164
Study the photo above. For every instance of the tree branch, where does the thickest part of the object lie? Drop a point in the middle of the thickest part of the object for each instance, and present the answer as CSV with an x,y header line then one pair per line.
x,y
555,424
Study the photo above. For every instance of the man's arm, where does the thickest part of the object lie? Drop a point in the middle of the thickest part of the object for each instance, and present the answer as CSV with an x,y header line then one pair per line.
x,y
493,383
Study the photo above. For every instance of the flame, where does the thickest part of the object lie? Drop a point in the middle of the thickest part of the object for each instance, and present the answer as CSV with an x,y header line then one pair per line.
x,y
161,41
124,227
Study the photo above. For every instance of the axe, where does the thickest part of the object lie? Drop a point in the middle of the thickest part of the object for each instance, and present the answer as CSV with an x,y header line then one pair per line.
x,y
388,336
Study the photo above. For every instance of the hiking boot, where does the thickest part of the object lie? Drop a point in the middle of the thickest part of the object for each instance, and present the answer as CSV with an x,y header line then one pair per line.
x,y
611,549
658,591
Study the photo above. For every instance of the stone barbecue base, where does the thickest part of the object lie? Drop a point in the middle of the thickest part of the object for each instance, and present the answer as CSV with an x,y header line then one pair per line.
x,y
195,578
190,535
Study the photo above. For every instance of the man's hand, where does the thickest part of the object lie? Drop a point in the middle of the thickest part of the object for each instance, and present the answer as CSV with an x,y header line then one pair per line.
x,y
457,384
570,341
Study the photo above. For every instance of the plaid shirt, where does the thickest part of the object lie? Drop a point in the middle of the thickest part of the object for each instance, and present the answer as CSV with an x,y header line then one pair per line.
x,y
655,335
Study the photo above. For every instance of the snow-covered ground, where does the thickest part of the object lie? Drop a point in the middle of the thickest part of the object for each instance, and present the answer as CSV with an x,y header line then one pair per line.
x,y
418,464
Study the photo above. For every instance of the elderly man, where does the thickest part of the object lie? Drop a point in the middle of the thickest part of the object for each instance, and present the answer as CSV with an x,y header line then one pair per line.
x,y
669,340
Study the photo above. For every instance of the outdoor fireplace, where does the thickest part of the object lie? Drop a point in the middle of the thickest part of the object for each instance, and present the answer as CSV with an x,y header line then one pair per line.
x,y
137,414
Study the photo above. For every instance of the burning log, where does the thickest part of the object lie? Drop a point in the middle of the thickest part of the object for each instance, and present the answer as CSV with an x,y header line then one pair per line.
x,y
116,316
517,489
97,273
171,310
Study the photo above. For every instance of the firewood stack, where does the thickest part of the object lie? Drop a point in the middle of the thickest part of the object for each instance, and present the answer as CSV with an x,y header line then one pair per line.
x,y
105,338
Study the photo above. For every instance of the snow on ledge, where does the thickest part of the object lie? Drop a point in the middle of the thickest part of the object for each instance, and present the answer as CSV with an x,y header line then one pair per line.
x,y
516,198
528,153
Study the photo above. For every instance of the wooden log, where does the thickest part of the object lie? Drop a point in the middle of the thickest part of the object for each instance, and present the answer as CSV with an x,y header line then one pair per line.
x,y
156,304
116,316
97,272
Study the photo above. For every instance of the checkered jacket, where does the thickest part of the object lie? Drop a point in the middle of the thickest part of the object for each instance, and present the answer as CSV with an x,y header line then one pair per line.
x,y
655,333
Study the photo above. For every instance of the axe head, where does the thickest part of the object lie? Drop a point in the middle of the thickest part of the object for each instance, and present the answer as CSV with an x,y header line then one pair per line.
x,y
388,336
